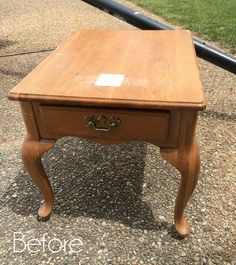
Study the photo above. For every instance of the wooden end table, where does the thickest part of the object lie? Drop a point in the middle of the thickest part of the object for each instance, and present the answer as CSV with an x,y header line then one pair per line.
x,y
114,86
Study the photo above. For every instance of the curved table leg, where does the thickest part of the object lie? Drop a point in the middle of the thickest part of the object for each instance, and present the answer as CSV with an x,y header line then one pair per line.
x,y
187,161
31,152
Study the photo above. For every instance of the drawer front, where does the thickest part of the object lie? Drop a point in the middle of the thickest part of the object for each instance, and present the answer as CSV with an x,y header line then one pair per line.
x,y
102,125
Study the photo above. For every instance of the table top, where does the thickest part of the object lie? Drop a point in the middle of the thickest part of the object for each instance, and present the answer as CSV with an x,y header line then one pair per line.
x,y
126,68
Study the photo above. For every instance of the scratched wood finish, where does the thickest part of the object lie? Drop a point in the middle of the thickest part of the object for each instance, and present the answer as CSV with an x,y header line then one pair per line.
x,y
160,71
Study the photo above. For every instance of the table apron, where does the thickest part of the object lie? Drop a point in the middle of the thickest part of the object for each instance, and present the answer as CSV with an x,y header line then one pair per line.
x,y
159,127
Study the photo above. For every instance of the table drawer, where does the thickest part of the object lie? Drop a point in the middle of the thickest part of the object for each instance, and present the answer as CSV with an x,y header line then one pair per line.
x,y
102,124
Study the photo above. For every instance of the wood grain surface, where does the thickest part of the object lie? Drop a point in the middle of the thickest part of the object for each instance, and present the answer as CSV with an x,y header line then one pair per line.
x,y
159,67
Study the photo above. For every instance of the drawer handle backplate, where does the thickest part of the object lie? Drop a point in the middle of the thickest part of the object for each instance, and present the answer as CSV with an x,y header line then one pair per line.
x,y
102,123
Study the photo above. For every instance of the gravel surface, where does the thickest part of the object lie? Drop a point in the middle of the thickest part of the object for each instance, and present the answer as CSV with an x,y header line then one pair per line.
x,y
118,200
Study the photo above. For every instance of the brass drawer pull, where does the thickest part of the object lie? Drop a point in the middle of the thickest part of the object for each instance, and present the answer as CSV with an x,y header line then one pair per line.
x,y
102,123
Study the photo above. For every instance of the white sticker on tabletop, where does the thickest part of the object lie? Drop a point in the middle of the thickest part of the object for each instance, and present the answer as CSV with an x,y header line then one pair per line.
x,y
113,80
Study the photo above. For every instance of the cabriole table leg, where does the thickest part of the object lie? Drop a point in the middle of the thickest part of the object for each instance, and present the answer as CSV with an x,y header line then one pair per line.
x,y
32,151
186,160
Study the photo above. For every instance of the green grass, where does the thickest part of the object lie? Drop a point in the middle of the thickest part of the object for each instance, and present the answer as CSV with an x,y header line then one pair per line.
x,y
212,19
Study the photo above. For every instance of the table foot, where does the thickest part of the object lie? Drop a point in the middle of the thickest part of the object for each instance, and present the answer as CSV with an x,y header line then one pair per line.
x,y
31,152
187,162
